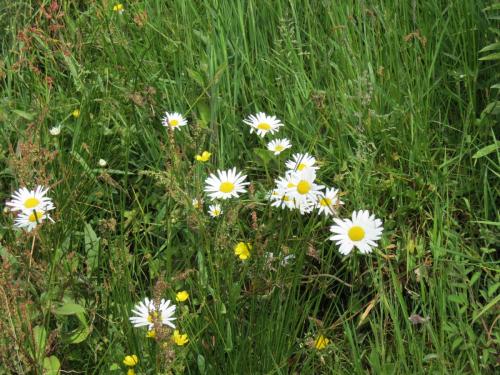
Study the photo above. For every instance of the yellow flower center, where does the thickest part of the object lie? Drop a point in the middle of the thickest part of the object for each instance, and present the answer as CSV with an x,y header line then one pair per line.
x,y
356,233
31,202
264,126
325,202
279,148
152,316
35,216
301,166
303,187
216,212
174,122
226,187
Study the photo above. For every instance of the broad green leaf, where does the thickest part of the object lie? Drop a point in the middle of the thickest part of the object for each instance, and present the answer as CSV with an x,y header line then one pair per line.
x,y
204,113
91,247
492,303
458,298
486,150
493,56
78,335
200,360
264,155
491,47
25,115
51,365
40,337
229,337
69,308
197,77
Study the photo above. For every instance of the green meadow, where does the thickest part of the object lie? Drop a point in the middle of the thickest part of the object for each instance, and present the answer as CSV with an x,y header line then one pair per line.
x,y
396,100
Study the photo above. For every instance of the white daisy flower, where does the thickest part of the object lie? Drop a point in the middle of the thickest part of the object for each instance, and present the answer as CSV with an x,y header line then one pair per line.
x,y
279,196
328,202
278,145
146,313
30,200
55,131
263,124
361,232
29,221
173,120
215,210
280,199
300,162
302,188
226,184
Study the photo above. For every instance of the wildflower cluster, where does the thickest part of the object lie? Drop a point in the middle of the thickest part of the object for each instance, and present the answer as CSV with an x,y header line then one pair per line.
x,y
151,315
32,207
297,190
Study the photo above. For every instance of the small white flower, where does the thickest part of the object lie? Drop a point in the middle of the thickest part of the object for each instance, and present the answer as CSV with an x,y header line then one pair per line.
x,y
263,124
215,210
30,200
197,203
362,232
279,196
280,199
55,130
102,163
278,145
146,314
287,259
226,184
30,221
300,162
328,202
173,120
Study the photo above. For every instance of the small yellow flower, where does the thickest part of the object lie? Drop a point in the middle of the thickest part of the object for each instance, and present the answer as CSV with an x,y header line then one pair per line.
x,y
242,249
118,8
131,360
321,342
76,113
182,296
151,334
205,155
130,371
180,339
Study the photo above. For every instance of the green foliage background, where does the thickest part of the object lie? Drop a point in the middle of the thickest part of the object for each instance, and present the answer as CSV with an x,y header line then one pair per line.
x,y
397,100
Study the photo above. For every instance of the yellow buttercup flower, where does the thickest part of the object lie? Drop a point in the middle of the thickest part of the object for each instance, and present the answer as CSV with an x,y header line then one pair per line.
x,y
130,371
118,8
321,342
182,296
76,113
205,155
242,249
151,334
179,339
131,360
